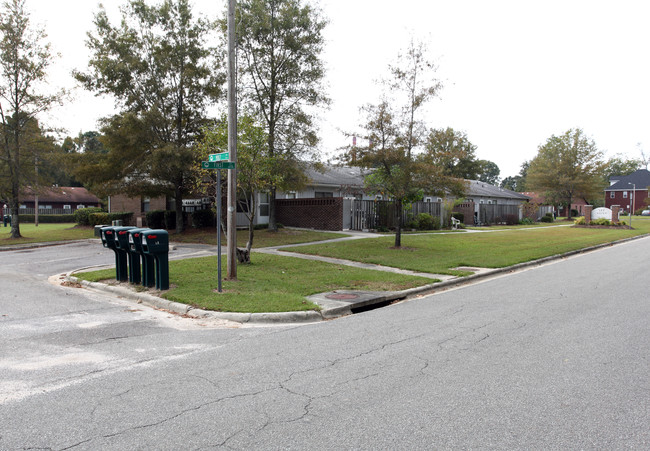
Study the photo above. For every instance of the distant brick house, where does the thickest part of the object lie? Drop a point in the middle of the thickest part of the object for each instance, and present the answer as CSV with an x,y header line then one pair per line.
x,y
629,192
55,200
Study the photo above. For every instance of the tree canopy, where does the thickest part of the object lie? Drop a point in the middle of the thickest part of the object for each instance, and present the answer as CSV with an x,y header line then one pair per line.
x,y
567,167
24,59
163,75
399,168
280,44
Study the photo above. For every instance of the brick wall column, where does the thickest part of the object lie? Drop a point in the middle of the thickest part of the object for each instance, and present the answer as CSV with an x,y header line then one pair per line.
x,y
588,209
616,209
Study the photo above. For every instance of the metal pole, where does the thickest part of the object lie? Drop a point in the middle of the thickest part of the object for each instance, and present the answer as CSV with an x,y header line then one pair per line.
x,y
632,203
232,144
219,229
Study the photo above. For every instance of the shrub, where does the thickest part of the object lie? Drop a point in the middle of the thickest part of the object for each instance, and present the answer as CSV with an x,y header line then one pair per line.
x,y
512,219
640,210
574,212
548,217
203,218
437,225
602,221
170,219
81,215
108,218
424,221
47,219
526,221
155,219
580,221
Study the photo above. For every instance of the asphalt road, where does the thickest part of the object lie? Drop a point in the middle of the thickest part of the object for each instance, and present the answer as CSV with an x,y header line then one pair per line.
x,y
551,357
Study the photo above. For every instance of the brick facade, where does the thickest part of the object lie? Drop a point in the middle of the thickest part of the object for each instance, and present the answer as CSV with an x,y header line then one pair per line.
x,y
626,200
467,209
322,213
123,203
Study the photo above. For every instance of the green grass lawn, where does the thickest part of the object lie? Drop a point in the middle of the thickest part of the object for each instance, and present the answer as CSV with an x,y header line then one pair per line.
x,y
44,233
269,284
261,238
439,253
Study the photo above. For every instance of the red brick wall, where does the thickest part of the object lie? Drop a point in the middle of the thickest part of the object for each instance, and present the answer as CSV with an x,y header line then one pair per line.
x,y
466,209
322,213
639,201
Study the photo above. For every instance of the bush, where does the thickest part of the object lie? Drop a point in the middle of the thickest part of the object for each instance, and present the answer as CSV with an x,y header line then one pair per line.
x,y
574,212
526,221
640,210
601,221
81,215
203,218
155,219
424,221
108,218
580,221
548,217
47,219
512,219
458,215
170,219
437,225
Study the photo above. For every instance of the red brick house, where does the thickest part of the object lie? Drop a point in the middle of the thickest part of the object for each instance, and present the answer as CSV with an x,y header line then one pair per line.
x,y
629,192
55,200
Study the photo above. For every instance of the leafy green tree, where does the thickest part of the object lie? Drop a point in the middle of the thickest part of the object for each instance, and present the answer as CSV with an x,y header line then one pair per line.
x,y
280,47
517,182
256,169
489,172
24,60
453,151
568,167
157,65
399,168
620,165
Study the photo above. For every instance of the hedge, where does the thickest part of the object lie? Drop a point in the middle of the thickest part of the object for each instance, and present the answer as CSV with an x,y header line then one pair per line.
x,y
81,216
47,219
108,218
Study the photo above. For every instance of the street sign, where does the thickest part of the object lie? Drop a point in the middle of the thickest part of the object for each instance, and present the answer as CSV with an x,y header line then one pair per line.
x,y
218,164
223,156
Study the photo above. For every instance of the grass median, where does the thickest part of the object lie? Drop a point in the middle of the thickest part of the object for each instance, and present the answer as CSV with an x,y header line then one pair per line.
x,y
440,253
269,284
44,233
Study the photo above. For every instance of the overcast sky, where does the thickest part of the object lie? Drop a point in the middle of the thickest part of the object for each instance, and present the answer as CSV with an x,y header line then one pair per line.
x,y
514,72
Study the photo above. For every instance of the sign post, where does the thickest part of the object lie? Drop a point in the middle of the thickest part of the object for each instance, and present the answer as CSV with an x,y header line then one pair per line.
x,y
218,165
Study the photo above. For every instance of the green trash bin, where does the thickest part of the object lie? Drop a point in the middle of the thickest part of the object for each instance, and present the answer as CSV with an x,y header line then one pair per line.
x,y
155,242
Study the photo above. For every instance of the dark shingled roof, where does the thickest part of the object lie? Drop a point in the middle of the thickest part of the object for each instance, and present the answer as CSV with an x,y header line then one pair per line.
x,y
73,194
478,188
640,178
353,176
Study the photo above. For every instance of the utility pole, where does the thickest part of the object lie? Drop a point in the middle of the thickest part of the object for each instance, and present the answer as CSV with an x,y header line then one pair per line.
x,y
232,145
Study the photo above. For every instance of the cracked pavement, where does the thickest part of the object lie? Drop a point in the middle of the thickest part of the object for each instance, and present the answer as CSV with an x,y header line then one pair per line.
x,y
543,358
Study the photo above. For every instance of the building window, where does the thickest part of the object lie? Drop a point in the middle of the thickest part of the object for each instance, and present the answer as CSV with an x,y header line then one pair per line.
x,y
291,195
264,204
80,206
624,194
611,194
439,200
323,194
67,207
23,206
146,204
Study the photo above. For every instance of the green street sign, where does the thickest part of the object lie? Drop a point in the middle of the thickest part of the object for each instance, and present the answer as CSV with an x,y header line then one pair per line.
x,y
218,164
219,156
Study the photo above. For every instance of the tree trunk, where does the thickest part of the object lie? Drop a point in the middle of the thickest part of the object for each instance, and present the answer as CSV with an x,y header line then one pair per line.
x,y
178,204
398,221
273,226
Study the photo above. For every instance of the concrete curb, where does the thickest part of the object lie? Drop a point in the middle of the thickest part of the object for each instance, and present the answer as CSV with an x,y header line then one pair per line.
x,y
334,310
